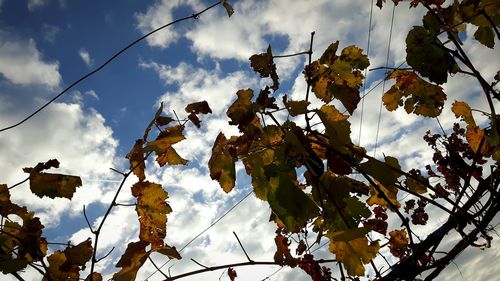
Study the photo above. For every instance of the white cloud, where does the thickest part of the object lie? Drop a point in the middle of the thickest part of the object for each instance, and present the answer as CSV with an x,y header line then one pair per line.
x,y
22,63
160,14
85,56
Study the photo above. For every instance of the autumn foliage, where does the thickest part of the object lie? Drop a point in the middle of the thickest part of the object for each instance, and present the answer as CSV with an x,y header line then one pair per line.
x,y
317,181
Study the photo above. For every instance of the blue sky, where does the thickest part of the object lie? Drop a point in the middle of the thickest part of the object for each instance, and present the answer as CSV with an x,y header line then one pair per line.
x,y
45,45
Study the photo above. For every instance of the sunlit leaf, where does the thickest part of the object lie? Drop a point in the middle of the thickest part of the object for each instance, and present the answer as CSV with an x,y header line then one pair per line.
x,y
329,55
355,57
398,243
264,65
150,125
54,185
221,164
349,234
415,94
354,254
425,56
475,137
462,109
136,159
131,261
170,157
390,192
152,210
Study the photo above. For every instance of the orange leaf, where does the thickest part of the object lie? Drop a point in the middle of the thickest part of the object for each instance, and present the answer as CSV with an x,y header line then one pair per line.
x,y
398,243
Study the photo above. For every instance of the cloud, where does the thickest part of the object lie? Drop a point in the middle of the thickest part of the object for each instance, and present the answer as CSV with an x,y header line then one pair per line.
x,y
159,14
33,4
22,63
85,56
50,32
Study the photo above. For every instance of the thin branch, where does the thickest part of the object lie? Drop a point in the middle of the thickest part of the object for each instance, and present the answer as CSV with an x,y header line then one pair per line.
x,y
291,55
18,277
87,220
243,248
204,266
116,171
193,16
105,256
157,268
310,52
17,184
253,263
125,204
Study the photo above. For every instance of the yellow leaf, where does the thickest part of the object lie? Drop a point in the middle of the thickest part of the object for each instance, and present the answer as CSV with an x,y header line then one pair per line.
x,y
152,210
354,254
165,139
56,260
170,157
390,192
54,185
462,109
221,164
475,137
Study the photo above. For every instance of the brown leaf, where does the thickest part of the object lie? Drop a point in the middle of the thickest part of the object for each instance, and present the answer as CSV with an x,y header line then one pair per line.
x,y
136,159
54,185
232,273
198,108
264,65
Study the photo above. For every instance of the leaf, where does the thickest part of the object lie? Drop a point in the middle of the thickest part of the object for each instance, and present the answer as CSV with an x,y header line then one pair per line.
x,y
338,129
56,260
232,273
52,163
95,276
242,111
264,65
228,7
54,185
420,97
170,157
354,254
136,159
390,192
163,120
349,234
148,128
425,56
462,109
152,210
283,255
329,56
296,107
162,146
198,108
131,261
77,255
398,243
221,164
475,136
170,252
265,101
486,36
196,121
355,57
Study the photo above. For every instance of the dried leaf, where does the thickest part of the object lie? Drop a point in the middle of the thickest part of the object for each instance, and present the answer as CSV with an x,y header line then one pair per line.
x,y
54,185
264,65
222,164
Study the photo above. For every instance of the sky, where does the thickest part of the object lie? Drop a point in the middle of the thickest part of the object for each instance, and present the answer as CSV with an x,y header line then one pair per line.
x,y
45,45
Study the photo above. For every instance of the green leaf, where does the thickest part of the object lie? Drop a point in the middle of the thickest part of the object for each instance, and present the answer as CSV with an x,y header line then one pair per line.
x,y
382,171
222,164
54,185
349,234
425,56
486,36
355,57
338,129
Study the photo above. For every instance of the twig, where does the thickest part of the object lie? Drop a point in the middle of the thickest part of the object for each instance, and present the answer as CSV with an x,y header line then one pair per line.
x,y
157,268
243,248
116,171
310,52
105,256
193,260
291,55
87,219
